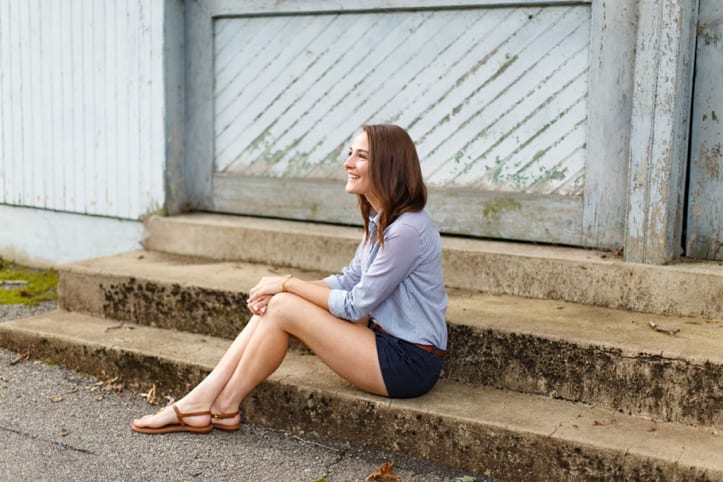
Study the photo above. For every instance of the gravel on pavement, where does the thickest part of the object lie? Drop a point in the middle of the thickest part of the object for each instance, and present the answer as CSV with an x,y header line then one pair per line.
x,y
60,425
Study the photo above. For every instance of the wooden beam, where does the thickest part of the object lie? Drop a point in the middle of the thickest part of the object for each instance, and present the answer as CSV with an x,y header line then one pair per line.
x,y
612,56
659,131
174,63
512,216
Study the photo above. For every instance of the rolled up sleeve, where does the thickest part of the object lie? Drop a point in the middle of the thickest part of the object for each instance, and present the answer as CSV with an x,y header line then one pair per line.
x,y
387,269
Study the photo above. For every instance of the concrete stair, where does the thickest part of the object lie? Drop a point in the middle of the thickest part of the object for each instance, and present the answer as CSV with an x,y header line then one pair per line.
x,y
540,387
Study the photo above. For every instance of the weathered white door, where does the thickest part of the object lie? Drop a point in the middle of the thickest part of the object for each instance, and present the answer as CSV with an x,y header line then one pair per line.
x,y
497,96
704,230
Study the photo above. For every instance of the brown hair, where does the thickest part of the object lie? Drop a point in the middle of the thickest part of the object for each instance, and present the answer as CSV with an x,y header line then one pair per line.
x,y
395,176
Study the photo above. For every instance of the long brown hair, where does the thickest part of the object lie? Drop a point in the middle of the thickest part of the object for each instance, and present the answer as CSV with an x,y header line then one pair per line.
x,y
395,176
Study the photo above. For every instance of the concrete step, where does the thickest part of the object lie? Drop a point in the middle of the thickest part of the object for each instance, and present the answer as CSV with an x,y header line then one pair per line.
x,y
505,435
505,268
607,357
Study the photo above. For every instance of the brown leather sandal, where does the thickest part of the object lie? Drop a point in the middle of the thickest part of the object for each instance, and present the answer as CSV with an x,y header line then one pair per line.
x,y
181,426
223,426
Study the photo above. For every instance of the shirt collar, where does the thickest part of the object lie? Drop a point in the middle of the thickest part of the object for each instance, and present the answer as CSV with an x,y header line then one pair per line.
x,y
374,218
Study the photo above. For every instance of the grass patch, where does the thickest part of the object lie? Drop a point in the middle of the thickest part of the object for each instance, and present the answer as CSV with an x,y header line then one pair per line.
x,y
26,286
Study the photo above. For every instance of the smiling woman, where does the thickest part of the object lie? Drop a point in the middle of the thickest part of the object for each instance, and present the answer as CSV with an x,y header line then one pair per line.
x,y
379,324
357,166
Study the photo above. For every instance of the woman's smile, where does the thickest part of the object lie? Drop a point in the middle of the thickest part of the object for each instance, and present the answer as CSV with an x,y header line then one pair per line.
x,y
357,167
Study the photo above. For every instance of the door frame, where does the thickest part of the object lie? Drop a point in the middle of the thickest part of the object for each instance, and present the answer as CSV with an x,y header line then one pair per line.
x,y
595,219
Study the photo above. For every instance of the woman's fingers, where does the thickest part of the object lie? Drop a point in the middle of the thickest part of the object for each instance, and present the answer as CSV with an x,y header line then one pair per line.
x,y
258,306
260,294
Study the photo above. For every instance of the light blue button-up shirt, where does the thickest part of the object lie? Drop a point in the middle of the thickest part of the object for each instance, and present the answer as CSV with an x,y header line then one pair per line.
x,y
400,286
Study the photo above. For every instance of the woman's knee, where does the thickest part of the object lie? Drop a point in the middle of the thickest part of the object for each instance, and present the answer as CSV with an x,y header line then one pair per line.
x,y
281,309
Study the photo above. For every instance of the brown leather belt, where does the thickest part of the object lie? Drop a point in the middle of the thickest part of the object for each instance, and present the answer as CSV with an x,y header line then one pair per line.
x,y
428,348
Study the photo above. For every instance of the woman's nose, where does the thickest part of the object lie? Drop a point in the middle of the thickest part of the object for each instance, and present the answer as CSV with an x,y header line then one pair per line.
x,y
349,162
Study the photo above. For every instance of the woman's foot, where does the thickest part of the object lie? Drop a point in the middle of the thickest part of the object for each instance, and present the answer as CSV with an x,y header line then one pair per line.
x,y
175,418
228,420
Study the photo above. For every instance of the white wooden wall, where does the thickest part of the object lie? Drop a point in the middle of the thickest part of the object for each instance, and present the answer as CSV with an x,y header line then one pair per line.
x,y
81,105
496,99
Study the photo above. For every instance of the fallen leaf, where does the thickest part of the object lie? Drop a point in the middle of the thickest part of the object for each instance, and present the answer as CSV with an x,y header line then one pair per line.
x,y
20,357
64,432
98,398
151,397
113,387
56,399
384,473
466,478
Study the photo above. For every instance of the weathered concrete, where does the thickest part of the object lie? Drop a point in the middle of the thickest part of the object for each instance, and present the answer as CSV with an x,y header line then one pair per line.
x,y
167,291
586,277
502,434
575,352
272,242
545,272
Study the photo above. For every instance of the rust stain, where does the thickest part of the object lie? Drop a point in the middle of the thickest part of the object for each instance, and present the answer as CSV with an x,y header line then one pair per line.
x,y
710,161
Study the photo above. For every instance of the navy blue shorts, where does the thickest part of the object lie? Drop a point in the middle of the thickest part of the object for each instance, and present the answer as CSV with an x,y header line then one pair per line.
x,y
408,371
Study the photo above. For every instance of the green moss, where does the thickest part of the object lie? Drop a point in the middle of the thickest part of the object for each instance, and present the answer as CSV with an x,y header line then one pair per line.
x,y
41,284
494,209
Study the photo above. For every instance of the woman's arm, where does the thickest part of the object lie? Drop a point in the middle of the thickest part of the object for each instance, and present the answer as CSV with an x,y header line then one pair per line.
x,y
315,291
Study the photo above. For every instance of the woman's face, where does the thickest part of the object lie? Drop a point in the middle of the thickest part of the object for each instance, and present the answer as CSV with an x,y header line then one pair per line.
x,y
357,168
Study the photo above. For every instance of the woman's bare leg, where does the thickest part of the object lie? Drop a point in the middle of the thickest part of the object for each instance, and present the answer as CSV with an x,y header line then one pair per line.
x,y
348,349
202,396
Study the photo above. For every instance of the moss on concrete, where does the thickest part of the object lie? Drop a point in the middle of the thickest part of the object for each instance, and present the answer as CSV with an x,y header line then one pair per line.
x,y
27,286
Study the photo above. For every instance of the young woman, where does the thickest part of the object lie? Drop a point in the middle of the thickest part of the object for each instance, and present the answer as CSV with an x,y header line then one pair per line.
x,y
380,324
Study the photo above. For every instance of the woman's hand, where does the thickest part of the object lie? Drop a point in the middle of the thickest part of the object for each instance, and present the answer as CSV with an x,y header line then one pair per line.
x,y
258,307
260,294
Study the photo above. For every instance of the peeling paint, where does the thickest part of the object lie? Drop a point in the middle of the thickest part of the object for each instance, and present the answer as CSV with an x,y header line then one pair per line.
x,y
710,161
442,88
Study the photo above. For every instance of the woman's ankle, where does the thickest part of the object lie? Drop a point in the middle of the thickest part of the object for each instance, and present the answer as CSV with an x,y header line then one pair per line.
x,y
220,408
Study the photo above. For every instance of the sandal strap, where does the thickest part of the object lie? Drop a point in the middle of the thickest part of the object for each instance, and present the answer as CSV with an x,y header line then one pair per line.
x,y
180,415
223,415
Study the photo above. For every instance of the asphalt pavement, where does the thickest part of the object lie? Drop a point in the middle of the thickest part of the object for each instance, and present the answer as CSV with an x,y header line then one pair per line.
x,y
59,425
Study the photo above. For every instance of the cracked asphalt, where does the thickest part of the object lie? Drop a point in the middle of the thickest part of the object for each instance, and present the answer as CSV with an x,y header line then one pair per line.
x,y
59,425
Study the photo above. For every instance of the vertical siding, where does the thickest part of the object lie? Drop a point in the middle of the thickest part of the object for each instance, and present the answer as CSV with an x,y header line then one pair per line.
x,y
496,99
81,105
705,196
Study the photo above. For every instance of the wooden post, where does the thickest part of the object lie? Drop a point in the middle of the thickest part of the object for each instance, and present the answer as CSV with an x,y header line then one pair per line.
x,y
704,226
659,131
612,56
174,63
